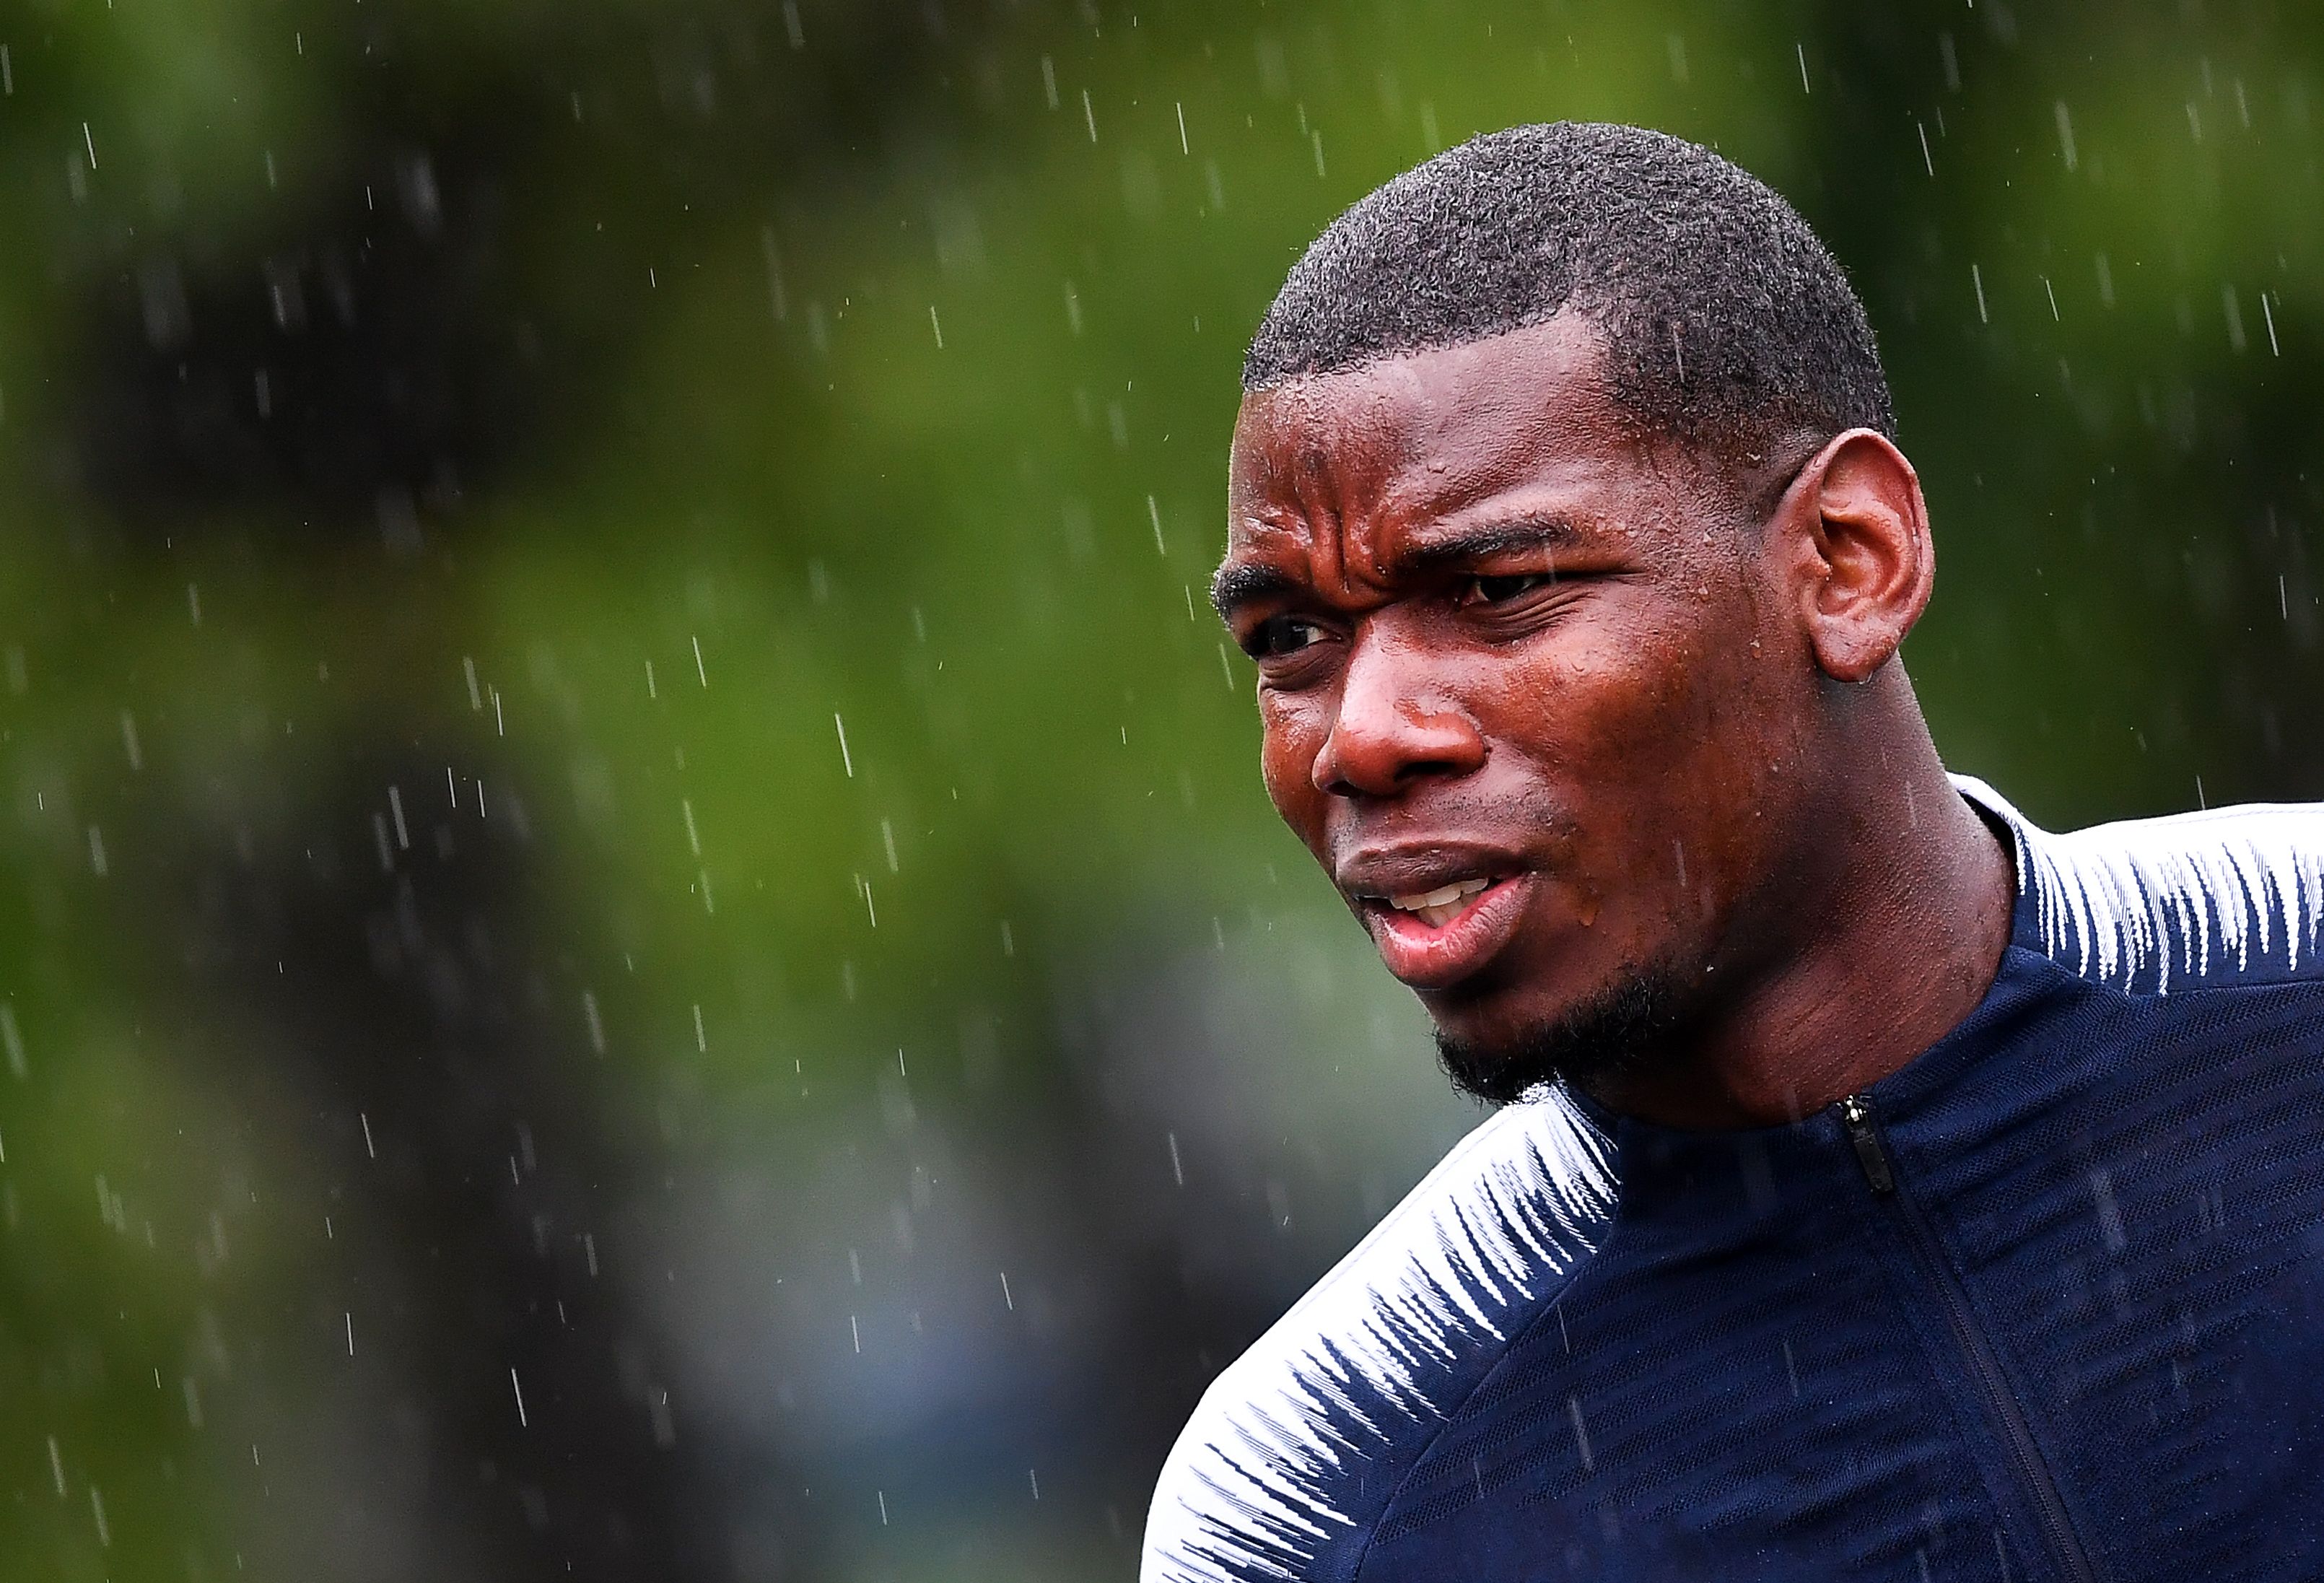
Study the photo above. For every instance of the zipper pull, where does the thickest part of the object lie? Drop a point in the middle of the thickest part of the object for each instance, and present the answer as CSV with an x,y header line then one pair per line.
x,y
1855,1115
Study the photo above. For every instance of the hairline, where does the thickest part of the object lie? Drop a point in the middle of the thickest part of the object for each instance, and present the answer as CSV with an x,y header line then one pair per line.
x,y
1754,482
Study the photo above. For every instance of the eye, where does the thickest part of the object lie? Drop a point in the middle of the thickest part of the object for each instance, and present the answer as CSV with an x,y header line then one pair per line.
x,y
1279,636
1501,589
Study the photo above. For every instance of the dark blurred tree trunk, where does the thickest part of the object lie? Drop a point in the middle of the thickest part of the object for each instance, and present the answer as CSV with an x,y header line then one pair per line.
x,y
386,968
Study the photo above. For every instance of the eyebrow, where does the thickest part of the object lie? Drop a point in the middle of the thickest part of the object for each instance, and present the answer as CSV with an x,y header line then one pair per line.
x,y
1233,585
1477,543
1236,584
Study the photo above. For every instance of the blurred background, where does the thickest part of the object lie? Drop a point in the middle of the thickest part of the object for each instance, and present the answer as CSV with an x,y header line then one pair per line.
x,y
638,934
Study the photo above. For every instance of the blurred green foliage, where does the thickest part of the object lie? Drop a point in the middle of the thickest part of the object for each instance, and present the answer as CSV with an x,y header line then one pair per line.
x,y
777,451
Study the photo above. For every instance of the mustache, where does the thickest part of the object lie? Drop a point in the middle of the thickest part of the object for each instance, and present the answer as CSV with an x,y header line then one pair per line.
x,y
1457,815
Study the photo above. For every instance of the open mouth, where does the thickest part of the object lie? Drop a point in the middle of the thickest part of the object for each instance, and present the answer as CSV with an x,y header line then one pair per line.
x,y
1433,938
1440,906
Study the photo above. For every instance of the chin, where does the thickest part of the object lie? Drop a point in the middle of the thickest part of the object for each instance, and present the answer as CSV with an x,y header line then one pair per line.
x,y
1615,1032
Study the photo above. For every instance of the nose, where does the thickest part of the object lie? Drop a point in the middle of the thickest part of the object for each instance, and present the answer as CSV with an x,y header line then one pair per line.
x,y
1393,728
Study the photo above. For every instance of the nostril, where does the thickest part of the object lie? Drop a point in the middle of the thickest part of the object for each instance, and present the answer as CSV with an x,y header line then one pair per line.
x,y
1381,756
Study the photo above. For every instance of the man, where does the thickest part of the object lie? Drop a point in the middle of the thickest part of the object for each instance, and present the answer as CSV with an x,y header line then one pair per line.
x,y
1887,1189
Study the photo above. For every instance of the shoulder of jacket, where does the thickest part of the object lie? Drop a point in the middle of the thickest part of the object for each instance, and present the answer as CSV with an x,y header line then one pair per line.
x,y
2225,897
1293,1447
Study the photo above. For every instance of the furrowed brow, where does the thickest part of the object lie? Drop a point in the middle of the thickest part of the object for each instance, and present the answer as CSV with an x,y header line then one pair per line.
x,y
1241,583
1236,584
1473,544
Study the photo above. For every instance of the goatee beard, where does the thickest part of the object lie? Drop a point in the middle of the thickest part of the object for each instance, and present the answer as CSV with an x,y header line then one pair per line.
x,y
1614,1033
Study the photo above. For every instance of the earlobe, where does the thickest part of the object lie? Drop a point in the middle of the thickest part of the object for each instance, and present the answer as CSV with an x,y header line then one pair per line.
x,y
1868,557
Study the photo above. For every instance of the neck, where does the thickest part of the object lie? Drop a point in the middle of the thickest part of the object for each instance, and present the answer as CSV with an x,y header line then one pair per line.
x,y
1885,932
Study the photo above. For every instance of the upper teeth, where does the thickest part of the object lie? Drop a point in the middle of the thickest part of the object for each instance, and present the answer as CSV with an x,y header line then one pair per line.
x,y
1443,895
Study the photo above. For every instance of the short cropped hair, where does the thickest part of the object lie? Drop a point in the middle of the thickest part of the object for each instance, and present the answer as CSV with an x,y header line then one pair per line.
x,y
1727,324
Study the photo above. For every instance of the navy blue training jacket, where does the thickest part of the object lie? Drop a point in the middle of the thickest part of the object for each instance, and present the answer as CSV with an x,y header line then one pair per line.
x,y
2048,1303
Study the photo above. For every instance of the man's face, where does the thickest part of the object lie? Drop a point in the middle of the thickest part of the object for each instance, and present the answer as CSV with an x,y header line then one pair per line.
x,y
1528,693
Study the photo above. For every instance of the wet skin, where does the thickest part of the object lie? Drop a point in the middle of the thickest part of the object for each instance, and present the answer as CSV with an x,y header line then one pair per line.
x,y
1648,699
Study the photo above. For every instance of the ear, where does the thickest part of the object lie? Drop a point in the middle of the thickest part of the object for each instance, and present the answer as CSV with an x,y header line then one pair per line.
x,y
1866,562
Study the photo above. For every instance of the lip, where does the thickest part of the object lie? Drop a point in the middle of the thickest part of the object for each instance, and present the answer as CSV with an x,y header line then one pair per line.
x,y
1438,957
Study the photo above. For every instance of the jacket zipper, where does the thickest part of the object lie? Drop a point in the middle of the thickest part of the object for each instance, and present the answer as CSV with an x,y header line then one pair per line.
x,y
1863,1129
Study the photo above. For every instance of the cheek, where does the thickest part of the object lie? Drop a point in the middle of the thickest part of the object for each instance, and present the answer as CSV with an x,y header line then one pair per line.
x,y
1683,682
1675,731
1291,734
1611,709
1643,736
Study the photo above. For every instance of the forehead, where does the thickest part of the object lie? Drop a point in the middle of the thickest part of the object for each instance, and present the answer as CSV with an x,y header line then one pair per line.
x,y
1410,440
